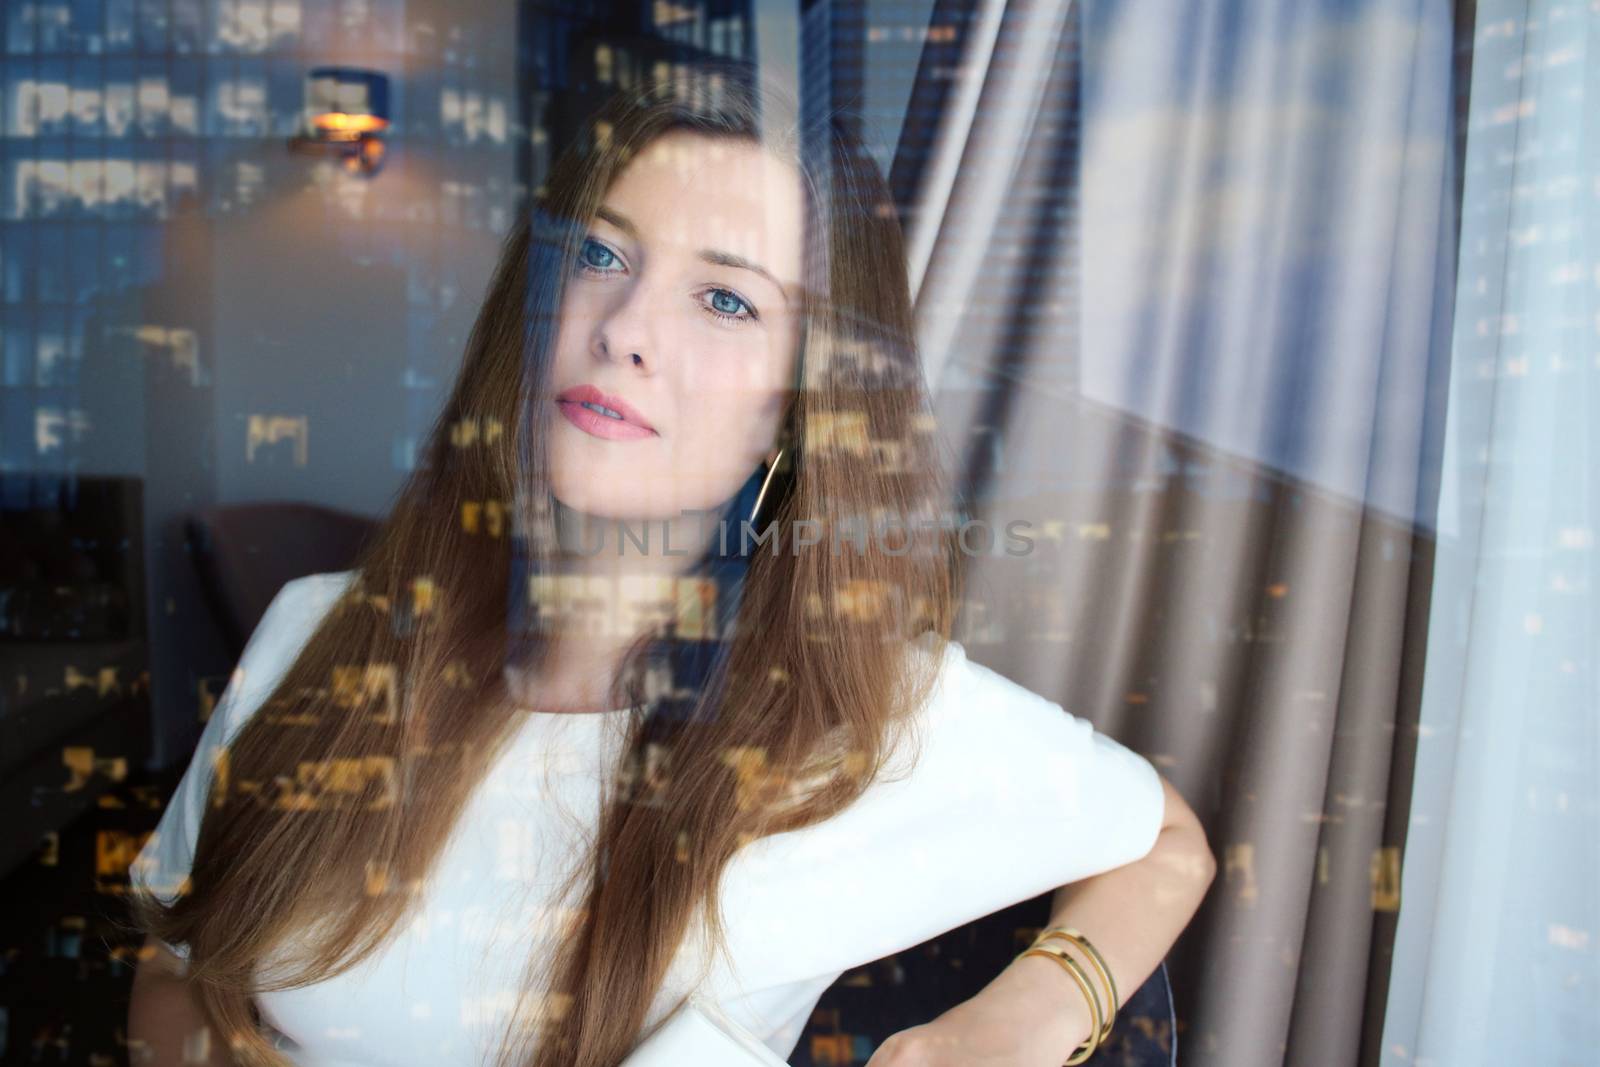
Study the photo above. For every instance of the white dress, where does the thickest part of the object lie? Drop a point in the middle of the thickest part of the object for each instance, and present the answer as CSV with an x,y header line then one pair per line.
x,y
1011,797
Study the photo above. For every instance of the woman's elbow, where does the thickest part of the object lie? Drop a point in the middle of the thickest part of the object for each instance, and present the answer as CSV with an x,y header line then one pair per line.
x,y
1183,837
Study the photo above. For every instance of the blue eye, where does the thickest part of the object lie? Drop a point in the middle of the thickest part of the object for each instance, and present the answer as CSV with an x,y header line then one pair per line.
x,y
585,262
735,302
595,259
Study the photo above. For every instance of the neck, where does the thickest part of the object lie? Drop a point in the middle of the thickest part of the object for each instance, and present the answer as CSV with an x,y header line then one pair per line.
x,y
613,582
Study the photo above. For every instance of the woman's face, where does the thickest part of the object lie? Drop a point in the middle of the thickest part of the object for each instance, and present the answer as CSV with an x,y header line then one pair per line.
x,y
683,305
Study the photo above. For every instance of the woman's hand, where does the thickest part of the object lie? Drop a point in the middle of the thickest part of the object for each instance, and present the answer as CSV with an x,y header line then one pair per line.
x,y
1015,1021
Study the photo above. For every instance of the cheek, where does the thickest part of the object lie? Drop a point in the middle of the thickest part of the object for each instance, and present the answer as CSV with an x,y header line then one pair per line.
x,y
573,322
739,375
721,445
741,423
739,397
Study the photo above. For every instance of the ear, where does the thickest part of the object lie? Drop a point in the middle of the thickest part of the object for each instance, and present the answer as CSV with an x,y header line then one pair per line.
x,y
772,455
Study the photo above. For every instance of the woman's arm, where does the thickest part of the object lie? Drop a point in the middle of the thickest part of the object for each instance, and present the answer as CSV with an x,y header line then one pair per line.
x,y
164,1019
1033,1014
1132,915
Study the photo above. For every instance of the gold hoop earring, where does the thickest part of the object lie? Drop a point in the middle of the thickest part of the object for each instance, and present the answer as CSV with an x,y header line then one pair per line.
x,y
764,483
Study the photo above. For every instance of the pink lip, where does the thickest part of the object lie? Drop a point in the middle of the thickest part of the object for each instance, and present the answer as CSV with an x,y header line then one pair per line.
x,y
630,427
601,425
580,394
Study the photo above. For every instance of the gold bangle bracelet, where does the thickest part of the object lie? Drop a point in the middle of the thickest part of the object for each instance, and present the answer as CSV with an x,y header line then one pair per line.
x,y
1094,953
1075,936
1075,969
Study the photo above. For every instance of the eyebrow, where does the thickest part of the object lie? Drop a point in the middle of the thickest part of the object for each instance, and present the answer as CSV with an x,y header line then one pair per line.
x,y
709,255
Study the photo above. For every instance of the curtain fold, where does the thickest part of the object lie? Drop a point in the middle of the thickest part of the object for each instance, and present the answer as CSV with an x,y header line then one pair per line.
x,y
1191,325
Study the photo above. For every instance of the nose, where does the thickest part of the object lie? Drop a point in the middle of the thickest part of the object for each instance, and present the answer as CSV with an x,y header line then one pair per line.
x,y
626,332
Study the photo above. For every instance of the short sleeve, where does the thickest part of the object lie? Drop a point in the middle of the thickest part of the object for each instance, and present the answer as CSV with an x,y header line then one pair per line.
x,y
1031,785
163,864
1008,796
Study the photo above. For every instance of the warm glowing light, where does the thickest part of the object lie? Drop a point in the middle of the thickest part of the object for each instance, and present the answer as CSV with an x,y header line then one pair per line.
x,y
343,122
346,112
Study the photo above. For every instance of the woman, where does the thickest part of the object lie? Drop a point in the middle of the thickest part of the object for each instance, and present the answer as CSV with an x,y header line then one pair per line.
x,y
704,322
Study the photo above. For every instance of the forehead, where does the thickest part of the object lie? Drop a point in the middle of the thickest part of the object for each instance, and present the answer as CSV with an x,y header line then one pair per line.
x,y
691,191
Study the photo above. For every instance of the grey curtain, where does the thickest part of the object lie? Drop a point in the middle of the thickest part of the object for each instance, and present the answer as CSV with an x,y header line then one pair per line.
x,y
1185,276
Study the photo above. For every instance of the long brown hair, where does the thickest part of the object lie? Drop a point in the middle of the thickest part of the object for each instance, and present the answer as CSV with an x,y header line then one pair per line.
x,y
805,683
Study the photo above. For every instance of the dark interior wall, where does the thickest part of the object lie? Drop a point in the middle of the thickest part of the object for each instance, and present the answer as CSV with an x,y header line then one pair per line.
x,y
330,310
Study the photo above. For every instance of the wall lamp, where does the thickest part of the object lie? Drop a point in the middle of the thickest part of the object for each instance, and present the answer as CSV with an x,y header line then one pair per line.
x,y
346,113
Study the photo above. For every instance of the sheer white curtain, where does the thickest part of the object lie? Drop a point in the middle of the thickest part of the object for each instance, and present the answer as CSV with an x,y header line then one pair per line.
x,y
1497,954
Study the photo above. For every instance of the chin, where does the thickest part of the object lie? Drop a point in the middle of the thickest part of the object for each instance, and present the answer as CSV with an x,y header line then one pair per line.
x,y
639,492
609,500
